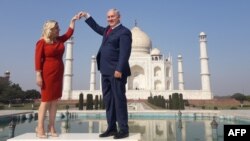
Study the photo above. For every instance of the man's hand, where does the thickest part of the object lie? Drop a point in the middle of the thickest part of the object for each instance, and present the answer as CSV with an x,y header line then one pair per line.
x,y
82,14
118,74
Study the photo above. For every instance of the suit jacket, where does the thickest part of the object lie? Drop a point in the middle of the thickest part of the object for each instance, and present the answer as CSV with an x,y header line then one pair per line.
x,y
115,50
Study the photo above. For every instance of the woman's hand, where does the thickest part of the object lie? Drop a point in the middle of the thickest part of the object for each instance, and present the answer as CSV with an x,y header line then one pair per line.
x,y
39,80
72,22
76,17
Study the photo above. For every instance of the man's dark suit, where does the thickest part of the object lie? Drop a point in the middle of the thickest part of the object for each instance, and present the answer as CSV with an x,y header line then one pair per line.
x,y
112,56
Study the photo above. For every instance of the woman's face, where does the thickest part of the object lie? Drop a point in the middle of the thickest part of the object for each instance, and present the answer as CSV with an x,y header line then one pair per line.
x,y
55,31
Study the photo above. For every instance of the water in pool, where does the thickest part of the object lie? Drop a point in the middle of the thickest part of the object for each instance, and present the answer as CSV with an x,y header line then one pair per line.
x,y
151,128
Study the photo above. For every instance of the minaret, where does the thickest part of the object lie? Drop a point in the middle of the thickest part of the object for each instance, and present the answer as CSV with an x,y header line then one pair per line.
x,y
180,73
67,81
205,75
7,75
171,87
93,74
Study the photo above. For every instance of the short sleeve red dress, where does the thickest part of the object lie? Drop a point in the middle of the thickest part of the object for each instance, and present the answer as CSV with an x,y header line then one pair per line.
x,y
49,60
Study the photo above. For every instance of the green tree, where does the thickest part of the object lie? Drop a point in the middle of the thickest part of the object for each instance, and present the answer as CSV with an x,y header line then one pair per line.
x,y
240,97
32,94
181,102
175,100
4,84
90,102
96,102
248,97
13,93
81,101
18,94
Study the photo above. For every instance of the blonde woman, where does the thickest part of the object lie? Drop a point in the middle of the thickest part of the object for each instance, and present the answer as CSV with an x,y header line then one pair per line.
x,y
49,72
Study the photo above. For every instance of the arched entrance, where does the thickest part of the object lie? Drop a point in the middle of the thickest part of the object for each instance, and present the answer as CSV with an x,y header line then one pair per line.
x,y
137,79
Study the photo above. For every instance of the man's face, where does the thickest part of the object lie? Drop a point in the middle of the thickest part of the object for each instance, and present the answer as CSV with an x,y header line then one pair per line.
x,y
112,18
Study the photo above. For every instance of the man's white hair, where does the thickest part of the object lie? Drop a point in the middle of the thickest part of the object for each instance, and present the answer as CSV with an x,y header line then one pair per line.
x,y
115,10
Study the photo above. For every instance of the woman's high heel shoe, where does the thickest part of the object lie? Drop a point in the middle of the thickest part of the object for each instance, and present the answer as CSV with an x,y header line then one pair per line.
x,y
42,136
52,134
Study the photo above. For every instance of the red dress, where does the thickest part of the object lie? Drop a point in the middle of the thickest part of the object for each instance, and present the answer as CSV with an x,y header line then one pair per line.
x,y
49,60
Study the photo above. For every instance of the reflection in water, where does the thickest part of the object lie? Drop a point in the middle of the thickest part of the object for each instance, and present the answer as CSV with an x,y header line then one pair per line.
x,y
12,127
170,129
153,130
214,126
65,124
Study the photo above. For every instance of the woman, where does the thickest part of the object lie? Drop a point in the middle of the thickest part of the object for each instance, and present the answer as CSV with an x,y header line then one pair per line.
x,y
49,72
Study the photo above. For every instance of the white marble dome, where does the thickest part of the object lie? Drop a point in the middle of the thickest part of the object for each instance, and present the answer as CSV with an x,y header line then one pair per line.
x,y
141,43
202,33
155,51
179,56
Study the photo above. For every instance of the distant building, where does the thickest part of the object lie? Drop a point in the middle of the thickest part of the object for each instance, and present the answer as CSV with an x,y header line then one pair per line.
x,y
152,72
6,76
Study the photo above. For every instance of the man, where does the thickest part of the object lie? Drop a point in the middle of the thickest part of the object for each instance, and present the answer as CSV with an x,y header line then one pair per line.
x,y
112,61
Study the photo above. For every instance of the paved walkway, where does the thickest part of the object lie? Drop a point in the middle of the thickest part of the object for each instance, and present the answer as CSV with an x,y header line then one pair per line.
x,y
74,137
4,113
236,113
139,106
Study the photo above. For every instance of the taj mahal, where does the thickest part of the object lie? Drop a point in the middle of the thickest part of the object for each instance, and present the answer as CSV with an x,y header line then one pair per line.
x,y
151,72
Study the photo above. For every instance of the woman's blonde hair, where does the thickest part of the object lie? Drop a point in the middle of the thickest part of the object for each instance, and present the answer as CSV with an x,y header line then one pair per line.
x,y
46,32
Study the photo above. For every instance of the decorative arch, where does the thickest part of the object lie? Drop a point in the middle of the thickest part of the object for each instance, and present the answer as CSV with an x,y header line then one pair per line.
x,y
167,72
157,71
137,79
168,85
158,85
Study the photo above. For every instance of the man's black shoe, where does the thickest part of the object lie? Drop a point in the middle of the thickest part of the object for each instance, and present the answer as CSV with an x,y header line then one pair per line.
x,y
121,135
108,133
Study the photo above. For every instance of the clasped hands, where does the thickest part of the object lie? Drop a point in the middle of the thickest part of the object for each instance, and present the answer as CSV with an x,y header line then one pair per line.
x,y
79,15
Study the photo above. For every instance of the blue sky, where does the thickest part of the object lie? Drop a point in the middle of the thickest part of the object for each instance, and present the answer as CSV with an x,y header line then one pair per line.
x,y
173,27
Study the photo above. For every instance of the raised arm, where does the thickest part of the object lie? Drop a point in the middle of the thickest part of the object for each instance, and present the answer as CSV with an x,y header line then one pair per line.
x,y
72,21
70,31
92,23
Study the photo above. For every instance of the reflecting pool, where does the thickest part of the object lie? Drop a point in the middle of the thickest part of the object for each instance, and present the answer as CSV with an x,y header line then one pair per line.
x,y
151,127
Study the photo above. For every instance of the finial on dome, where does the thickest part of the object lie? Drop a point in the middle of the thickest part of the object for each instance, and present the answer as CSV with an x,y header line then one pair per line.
x,y
135,23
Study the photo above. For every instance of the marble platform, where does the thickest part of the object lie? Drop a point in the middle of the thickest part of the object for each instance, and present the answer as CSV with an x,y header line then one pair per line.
x,y
74,137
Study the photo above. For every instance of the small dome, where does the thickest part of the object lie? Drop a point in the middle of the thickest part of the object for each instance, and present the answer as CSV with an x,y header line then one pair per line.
x,y
155,51
141,43
202,33
7,74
